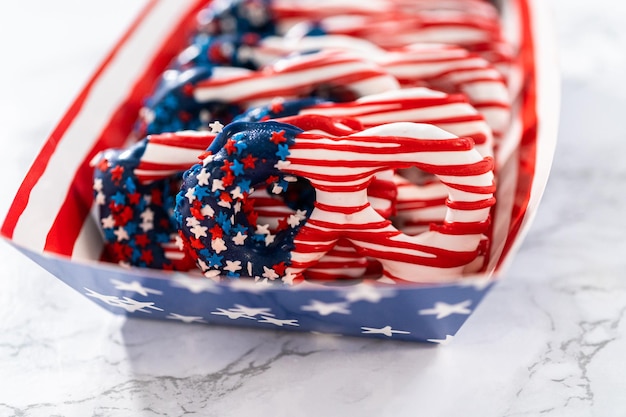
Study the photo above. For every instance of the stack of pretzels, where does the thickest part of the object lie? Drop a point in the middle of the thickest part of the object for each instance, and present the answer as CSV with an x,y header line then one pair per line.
x,y
296,140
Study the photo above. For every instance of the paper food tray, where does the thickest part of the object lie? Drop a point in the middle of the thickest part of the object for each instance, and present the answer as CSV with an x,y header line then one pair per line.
x,y
49,220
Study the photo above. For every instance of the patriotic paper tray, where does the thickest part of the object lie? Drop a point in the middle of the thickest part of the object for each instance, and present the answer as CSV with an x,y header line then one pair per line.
x,y
50,221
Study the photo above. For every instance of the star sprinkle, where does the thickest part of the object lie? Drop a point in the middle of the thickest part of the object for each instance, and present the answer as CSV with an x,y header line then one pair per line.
x,y
203,177
269,273
216,127
239,239
107,222
218,245
278,137
233,266
121,234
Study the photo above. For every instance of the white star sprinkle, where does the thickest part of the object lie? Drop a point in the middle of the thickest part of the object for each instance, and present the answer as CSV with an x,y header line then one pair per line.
x,y
134,286
239,238
325,309
442,310
207,211
191,221
190,194
218,245
100,198
147,215
217,185
278,322
262,229
216,127
199,231
236,193
121,234
185,319
269,239
146,225
387,331
232,266
108,222
269,273
203,177
281,165
442,342
293,220
289,277
97,184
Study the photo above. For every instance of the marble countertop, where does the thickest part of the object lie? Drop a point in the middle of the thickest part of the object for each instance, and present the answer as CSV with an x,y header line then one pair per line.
x,y
548,340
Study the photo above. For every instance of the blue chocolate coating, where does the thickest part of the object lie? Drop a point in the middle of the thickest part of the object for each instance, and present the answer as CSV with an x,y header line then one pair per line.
x,y
136,219
244,155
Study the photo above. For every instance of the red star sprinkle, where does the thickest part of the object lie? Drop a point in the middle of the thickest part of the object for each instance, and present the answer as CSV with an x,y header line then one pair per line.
x,y
121,252
248,162
116,173
196,210
146,256
125,216
278,137
205,155
134,198
142,240
156,196
184,116
103,165
271,179
216,232
228,179
227,165
224,196
277,106
230,146
196,243
248,205
187,89
282,225
279,268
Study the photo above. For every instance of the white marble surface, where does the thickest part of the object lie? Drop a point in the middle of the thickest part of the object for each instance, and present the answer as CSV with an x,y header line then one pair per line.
x,y
549,340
